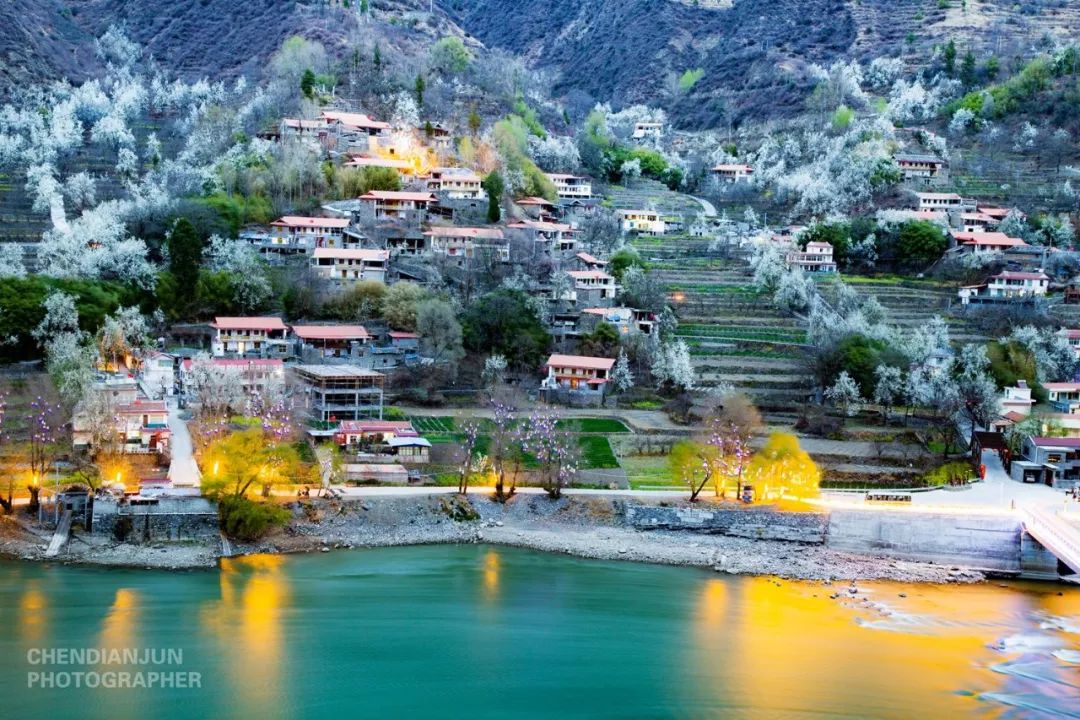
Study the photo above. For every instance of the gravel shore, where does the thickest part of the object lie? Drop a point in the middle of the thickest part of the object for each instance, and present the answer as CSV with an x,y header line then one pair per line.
x,y
583,527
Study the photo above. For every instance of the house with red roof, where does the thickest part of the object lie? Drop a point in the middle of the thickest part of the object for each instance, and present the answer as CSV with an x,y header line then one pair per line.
x,y
397,206
816,257
249,336
388,440
1006,286
985,241
581,375
352,130
296,233
318,343
1072,336
587,261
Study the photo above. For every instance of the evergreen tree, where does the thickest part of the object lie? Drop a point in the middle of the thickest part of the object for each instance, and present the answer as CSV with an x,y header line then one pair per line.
x,y
967,69
185,259
307,83
494,187
948,57
420,87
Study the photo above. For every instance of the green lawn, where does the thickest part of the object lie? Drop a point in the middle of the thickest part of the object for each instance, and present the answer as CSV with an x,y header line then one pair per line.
x,y
596,453
648,472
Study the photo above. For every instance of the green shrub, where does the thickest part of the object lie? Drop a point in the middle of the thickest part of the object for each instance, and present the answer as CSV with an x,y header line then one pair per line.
x,y
953,473
246,520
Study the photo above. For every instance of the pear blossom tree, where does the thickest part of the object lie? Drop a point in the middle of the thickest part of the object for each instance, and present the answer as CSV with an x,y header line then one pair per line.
x,y
844,394
888,388
621,375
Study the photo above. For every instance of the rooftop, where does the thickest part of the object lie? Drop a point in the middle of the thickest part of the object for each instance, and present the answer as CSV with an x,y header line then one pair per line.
x,y
248,323
398,195
350,253
327,372
584,362
331,332
469,232
311,222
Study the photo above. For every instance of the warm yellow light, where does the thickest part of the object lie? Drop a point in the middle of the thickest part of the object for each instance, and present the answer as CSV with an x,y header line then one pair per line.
x,y
33,479
119,476
215,468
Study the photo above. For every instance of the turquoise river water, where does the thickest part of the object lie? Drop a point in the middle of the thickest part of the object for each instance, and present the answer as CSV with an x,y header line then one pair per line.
x,y
486,632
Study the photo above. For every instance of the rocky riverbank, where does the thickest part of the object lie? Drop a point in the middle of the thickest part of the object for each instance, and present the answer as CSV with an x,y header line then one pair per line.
x,y
591,527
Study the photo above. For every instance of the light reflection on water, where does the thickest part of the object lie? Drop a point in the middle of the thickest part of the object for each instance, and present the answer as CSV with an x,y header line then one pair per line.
x,y
475,631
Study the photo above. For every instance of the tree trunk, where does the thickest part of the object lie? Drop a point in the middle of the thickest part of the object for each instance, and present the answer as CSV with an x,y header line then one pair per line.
x,y
34,504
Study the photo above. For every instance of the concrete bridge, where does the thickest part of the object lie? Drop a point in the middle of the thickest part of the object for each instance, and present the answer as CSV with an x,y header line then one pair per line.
x,y
1058,535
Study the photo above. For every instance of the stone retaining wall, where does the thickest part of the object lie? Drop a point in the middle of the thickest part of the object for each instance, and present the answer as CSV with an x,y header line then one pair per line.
x,y
753,522
987,542
172,519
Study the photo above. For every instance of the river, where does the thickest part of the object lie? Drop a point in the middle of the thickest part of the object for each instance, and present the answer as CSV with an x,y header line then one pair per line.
x,y
488,632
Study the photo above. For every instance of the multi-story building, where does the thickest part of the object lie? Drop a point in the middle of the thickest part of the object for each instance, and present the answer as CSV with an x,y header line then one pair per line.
x,y
297,234
397,206
817,257
577,373
593,288
733,172
940,201
457,183
642,222
333,393
352,265
921,168
158,374
466,242
552,235
570,186
1064,396
1072,336
250,336
1006,286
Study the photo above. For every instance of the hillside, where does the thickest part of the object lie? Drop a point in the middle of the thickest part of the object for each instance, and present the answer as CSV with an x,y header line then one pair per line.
x,y
753,53
218,39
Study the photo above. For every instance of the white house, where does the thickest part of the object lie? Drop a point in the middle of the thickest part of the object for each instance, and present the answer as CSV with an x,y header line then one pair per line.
x,y
642,222
261,336
571,186
1017,399
158,374
816,258
252,374
1072,336
732,172
1006,286
1064,396
939,201
457,183
350,265
652,130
